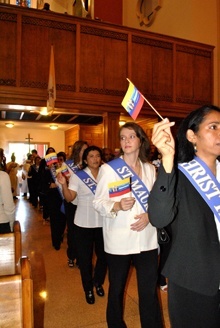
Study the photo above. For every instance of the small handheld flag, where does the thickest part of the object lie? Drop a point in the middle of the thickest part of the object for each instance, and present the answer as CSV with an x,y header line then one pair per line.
x,y
119,188
51,158
64,170
134,100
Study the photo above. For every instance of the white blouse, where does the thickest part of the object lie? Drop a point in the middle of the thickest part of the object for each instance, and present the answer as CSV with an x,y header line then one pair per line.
x,y
7,206
118,236
85,215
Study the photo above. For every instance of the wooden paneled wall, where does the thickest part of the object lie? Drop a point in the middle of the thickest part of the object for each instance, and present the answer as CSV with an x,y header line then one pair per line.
x,y
71,136
92,134
93,60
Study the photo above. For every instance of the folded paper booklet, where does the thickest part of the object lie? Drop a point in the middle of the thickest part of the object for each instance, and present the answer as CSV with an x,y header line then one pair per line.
x,y
119,188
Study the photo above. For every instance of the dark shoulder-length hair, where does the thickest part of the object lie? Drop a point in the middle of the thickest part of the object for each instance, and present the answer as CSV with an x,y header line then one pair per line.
x,y
86,153
185,149
50,148
144,152
76,149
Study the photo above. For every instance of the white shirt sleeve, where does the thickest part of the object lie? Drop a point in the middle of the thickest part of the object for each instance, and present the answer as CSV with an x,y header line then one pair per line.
x,y
102,203
6,198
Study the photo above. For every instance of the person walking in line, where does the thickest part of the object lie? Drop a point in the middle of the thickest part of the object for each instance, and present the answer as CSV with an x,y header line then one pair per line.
x,y
7,206
88,223
74,164
44,183
186,195
34,175
121,198
2,160
12,169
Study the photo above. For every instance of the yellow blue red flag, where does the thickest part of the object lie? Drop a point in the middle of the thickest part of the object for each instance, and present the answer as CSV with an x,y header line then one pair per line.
x,y
119,188
133,101
51,158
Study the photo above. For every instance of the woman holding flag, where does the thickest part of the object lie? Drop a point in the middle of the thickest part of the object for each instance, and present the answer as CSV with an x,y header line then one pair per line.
x,y
52,197
88,223
187,195
122,199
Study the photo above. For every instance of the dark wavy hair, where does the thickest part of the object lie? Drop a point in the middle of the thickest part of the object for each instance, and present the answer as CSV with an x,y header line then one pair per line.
x,y
185,149
76,149
62,154
50,148
86,153
144,152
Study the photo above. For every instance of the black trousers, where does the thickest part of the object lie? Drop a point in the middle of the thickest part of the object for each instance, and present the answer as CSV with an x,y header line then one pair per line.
x,y
88,240
70,210
5,228
146,265
188,309
57,218
44,202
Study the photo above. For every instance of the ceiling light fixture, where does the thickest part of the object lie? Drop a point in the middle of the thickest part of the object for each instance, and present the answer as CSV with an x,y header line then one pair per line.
x,y
121,123
45,112
9,125
53,127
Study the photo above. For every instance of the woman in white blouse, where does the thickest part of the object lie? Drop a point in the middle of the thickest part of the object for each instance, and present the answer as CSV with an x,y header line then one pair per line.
x,y
88,222
128,235
7,206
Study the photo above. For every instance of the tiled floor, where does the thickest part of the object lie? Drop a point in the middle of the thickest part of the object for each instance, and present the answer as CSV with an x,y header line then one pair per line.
x,y
59,300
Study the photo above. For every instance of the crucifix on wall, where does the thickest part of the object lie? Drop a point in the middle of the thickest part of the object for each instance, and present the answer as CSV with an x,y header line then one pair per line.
x,y
29,141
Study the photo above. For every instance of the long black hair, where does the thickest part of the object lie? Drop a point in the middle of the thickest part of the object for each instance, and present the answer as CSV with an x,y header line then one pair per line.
x,y
185,149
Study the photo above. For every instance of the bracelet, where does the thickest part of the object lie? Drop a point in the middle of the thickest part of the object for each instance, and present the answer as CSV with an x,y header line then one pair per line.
x,y
113,213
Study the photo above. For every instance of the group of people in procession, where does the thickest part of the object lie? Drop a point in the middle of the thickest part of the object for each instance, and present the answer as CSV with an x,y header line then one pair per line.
x,y
114,206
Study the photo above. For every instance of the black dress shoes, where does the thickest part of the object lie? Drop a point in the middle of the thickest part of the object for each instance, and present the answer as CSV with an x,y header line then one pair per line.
x,y
90,298
100,291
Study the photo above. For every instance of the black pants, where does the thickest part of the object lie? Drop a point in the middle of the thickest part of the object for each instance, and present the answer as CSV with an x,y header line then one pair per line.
x,y
70,210
146,264
57,218
164,252
44,202
88,240
5,228
188,309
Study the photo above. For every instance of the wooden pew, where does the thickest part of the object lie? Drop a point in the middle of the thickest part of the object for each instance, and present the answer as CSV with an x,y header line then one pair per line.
x,y
16,298
10,251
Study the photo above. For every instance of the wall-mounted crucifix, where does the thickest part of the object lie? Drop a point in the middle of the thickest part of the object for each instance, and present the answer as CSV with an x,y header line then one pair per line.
x,y
29,141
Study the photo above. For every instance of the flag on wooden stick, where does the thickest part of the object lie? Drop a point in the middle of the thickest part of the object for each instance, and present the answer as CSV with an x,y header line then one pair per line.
x,y
133,101
51,91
